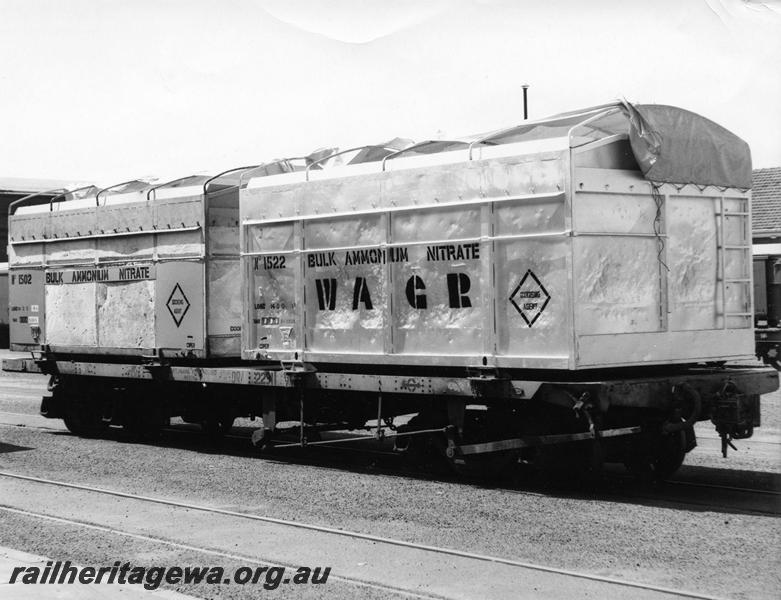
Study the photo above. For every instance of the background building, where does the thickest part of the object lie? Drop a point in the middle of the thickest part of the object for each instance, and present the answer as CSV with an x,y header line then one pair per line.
x,y
766,236
767,206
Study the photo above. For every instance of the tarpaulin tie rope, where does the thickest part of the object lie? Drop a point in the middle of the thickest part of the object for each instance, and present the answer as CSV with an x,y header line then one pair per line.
x,y
659,200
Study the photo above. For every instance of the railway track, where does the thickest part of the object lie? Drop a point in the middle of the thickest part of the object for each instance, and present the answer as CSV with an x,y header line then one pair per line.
x,y
379,543
701,496
625,489
241,558
730,488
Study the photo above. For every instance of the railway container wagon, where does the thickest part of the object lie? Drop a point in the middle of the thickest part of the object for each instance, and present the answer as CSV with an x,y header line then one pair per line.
x,y
570,288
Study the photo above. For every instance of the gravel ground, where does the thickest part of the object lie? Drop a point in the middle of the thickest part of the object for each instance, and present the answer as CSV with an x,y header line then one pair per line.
x,y
87,548
717,552
696,549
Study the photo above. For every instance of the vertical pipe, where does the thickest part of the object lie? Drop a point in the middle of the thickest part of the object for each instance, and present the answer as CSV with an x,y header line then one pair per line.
x,y
525,87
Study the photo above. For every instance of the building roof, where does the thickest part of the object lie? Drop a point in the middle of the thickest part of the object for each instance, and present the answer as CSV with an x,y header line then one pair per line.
x,y
766,196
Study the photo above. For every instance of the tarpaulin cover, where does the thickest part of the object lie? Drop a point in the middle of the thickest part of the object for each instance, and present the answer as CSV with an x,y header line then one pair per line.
x,y
673,145
380,151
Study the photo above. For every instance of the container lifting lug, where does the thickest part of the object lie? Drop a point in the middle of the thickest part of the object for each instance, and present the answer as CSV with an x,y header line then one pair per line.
x,y
487,382
45,361
156,363
297,371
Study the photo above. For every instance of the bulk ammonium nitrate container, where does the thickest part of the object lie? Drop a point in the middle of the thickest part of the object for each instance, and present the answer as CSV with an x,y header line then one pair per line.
x,y
133,269
613,236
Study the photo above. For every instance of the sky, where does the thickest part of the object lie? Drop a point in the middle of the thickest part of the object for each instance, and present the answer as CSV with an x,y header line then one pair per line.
x,y
110,90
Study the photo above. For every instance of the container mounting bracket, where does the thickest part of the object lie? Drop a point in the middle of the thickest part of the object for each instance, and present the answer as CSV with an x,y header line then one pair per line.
x,y
488,382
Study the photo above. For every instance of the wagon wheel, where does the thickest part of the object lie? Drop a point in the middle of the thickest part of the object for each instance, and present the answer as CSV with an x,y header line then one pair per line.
x,y
83,418
432,452
579,462
81,411
670,456
493,467
425,451
484,426
657,458
146,420
217,426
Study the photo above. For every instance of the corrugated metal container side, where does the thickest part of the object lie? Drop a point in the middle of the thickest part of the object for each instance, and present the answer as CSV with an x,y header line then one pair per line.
x,y
531,252
125,274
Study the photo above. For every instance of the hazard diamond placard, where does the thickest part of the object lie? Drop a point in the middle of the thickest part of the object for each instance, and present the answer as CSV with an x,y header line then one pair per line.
x,y
178,304
530,298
